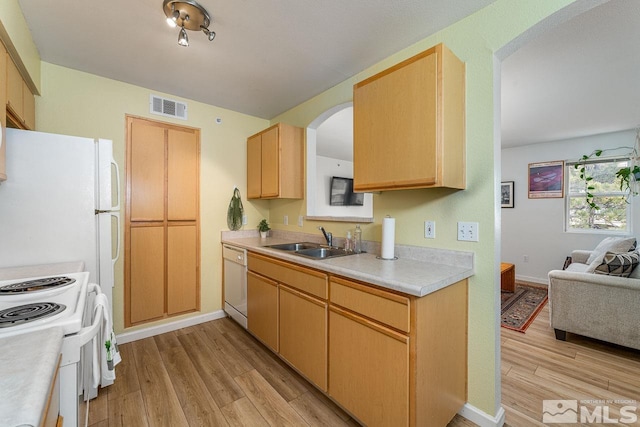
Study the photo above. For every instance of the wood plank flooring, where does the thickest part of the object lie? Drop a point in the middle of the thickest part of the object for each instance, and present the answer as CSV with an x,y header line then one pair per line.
x,y
216,374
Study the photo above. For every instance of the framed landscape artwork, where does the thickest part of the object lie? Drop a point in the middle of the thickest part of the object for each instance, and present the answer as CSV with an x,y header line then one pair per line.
x,y
506,194
546,180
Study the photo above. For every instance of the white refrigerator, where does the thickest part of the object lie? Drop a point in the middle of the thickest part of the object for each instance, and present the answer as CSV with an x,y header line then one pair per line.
x,y
60,203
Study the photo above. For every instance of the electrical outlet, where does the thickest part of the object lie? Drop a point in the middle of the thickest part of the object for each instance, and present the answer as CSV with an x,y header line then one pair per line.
x,y
429,229
468,231
244,220
285,220
525,258
300,218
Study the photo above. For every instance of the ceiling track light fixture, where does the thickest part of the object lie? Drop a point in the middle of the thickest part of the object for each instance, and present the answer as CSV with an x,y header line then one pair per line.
x,y
188,15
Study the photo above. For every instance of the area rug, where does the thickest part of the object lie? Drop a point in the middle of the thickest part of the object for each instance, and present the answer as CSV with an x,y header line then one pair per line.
x,y
520,308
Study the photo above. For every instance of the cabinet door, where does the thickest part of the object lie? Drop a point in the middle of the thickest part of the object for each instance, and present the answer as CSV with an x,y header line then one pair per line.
x,y
395,131
29,107
182,175
262,309
14,89
254,167
182,269
147,172
3,111
368,370
303,334
147,273
270,163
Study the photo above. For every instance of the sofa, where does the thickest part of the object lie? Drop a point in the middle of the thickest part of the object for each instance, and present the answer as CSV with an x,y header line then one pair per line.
x,y
598,295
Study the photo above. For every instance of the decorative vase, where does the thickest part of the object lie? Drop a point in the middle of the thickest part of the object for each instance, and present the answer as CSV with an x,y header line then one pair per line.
x,y
263,234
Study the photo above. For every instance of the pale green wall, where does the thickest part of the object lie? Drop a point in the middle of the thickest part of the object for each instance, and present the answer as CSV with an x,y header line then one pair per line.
x,y
76,103
475,41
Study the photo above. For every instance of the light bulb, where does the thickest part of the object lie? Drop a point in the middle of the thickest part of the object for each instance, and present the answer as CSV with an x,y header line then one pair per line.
x,y
183,40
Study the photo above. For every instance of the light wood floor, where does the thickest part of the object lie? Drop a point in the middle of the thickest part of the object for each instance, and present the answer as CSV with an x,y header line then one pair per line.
x,y
216,374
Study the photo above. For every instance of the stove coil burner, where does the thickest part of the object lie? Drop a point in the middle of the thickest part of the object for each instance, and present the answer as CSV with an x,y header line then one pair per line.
x,y
22,314
36,285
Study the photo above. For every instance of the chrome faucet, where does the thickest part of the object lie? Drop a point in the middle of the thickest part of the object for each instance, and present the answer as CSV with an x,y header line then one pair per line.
x,y
327,236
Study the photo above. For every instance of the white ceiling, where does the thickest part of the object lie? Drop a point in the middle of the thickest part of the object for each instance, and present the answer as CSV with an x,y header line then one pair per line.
x,y
267,57
581,78
578,79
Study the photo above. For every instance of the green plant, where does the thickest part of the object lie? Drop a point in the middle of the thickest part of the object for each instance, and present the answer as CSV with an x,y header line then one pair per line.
x,y
582,166
264,225
625,175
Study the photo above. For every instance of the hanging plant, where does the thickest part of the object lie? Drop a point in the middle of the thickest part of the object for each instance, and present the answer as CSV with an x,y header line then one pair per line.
x,y
235,211
627,175
582,166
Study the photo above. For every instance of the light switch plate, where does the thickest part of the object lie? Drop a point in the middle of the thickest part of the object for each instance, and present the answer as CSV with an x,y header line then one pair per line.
x,y
285,220
300,219
468,231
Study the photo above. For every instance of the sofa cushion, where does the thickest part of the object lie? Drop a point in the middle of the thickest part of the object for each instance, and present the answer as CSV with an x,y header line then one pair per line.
x,y
618,264
610,244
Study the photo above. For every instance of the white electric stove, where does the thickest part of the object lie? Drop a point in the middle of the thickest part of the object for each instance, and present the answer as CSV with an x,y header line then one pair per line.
x,y
41,302
62,300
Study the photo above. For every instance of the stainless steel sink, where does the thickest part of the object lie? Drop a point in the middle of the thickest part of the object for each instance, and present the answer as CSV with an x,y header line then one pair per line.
x,y
311,250
322,253
292,247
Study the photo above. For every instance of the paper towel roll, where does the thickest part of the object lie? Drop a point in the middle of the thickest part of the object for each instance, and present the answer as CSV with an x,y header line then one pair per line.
x,y
388,237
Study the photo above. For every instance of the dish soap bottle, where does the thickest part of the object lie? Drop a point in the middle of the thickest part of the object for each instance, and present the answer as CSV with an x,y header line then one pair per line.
x,y
357,239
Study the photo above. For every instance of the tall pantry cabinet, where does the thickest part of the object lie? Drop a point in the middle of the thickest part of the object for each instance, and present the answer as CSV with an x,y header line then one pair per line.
x,y
162,237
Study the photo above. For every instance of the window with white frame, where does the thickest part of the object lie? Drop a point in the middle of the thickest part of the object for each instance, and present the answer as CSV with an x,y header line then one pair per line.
x,y
613,210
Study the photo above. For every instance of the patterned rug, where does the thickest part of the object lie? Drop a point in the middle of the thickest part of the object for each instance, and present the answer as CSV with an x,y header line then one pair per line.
x,y
521,307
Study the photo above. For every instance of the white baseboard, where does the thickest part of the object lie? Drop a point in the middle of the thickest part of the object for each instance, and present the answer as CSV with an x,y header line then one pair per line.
x,y
168,327
481,418
544,281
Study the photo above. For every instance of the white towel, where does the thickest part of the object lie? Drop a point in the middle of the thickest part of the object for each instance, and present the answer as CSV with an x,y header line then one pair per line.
x,y
101,373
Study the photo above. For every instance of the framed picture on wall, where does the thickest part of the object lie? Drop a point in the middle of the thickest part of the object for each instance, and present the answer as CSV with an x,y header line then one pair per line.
x,y
546,180
506,194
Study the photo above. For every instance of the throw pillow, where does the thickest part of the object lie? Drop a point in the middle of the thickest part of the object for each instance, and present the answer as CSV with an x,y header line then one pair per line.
x,y
618,264
611,244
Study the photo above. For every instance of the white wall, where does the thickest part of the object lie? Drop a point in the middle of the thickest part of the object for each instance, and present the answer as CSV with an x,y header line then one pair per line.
x,y
327,167
535,227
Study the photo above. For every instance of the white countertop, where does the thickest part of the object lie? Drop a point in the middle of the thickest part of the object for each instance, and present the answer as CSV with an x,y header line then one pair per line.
x,y
418,271
28,364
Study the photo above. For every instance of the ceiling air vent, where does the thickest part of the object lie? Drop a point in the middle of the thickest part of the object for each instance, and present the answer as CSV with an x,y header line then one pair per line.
x,y
167,107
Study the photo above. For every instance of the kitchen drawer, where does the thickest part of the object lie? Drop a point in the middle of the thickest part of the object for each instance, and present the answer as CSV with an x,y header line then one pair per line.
x,y
385,307
306,280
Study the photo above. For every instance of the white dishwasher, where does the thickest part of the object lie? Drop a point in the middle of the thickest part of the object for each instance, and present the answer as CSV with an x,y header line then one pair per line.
x,y
235,283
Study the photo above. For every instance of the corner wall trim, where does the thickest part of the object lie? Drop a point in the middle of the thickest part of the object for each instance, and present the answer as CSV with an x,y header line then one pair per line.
x,y
481,418
168,327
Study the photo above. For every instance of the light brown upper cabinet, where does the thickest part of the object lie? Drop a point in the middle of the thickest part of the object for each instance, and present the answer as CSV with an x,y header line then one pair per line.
x,y
409,125
275,163
3,112
20,101
162,225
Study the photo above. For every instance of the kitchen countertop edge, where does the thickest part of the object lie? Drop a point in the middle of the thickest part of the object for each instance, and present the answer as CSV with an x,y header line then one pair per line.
x,y
400,275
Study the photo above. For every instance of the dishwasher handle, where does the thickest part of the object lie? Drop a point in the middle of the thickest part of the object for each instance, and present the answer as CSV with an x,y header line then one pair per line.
x,y
234,254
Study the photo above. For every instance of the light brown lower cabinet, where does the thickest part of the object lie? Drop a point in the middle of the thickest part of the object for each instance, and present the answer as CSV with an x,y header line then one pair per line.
x,y
262,309
369,370
303,334
389,359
